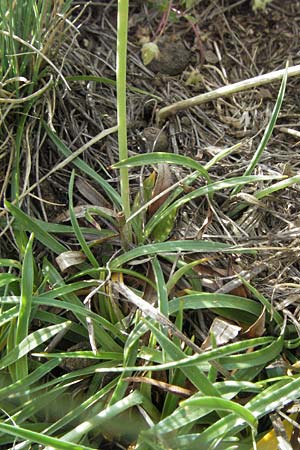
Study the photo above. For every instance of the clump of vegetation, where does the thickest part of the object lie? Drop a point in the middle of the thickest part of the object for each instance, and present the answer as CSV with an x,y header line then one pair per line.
x,y
96,337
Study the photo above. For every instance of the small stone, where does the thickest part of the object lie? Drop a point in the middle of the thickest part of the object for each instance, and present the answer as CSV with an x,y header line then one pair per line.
x,y
154,139
173,57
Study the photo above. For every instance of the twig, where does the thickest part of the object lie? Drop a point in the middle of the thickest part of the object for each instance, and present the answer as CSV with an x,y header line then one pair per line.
x,y
150,311
224,91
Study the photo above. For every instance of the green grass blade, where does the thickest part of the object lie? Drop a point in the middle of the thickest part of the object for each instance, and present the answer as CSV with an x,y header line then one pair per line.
x,y
174,247
122,31
25,306
162,295
85,248
19,387
207,300
81,409
110,82
160,158
204,190
104,416
255,358
4,262
32,226
7,316
40,438
31,342
217,403
268,132
8,278
261,405
84,167
193,373
102,337
265,302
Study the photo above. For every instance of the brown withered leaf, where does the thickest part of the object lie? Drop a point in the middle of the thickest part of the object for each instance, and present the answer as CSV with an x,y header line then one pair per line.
x,y
210,276
177,390
223,331
91,194
257,329
68,259
163,181
207,221
240,290
80,212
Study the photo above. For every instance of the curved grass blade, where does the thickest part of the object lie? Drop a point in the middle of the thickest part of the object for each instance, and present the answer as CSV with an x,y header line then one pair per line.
x,y
265,302
204,190
103,338
40,438
162,295
196,359
32,226
217,403
5,262
268,132
205,300
110,82
160,158
32,341
275,397
8,278
255,358
84,167
77,309
81,409
102,417
7,316
193,373
173,247
266,192
20,387
85,248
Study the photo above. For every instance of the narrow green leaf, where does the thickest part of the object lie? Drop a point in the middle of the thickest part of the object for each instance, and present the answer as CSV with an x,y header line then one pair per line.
x,y
32,341
84,167
5,262
85,248
107,414
174,247
7,316
162,295
110,82
7,278
40,438
162,157
25,306
32,226
19,387
204,190
217,403
255,358
206,300
193,373
271,399
268,132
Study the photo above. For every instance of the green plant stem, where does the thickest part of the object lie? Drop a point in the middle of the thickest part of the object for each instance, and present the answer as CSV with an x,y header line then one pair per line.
x,y
121,111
